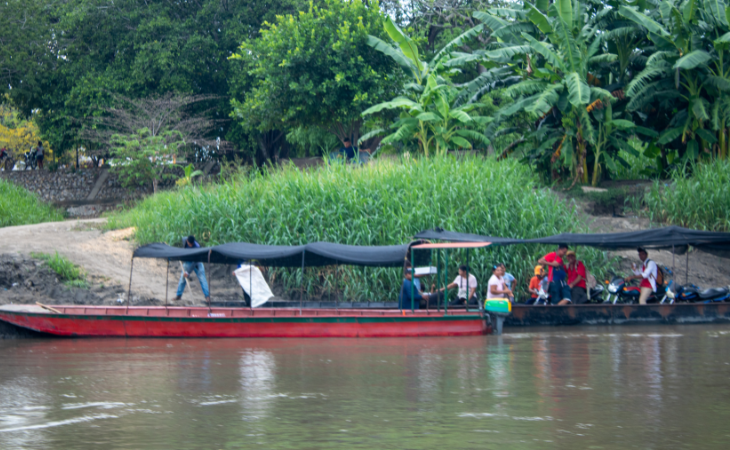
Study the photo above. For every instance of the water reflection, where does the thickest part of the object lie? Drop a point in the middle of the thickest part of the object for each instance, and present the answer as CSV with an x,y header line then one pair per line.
x,y
257,383
645,387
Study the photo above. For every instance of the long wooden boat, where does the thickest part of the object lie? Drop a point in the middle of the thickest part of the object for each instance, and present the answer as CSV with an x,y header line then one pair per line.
x,y
189,322
606,314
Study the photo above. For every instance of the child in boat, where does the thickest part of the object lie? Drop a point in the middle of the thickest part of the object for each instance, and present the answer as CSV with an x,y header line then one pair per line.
x,y
539,281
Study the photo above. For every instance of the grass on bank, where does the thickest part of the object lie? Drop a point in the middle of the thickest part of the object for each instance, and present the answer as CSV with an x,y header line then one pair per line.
x,y
380,204
20,207
701,201
71,274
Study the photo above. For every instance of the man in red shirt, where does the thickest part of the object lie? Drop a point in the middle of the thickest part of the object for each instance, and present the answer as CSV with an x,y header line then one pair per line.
x,y
559,290
576,278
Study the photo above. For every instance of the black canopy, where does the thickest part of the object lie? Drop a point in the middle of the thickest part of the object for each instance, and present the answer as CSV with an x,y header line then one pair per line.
x,y
315,254
667,237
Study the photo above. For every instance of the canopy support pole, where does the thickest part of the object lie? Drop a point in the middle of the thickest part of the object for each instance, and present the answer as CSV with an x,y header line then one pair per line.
x,y
446,280
129,290
438,280
301,294
428,302
672,258
466,306
686,266
210,284
250,283
337,297
167,282
413,280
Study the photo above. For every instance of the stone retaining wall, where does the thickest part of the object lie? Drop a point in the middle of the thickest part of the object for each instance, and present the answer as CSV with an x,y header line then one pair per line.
x,y
73,186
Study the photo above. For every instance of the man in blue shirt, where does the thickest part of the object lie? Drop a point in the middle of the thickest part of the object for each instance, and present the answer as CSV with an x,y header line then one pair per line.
x,y
348,151
408,286
189,267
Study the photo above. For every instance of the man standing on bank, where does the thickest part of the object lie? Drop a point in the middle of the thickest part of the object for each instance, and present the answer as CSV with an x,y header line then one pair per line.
x,y
647,274
189,267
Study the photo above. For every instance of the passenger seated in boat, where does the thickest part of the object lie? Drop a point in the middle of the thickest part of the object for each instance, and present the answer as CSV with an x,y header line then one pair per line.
x,y
576,278
461,282
496,288
537,283
420,299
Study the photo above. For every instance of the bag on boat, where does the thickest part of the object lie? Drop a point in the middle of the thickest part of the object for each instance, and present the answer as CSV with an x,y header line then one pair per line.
x,y
253,282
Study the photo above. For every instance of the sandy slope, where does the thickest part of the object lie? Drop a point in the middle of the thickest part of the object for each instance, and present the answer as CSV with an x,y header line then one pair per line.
x,y
105,254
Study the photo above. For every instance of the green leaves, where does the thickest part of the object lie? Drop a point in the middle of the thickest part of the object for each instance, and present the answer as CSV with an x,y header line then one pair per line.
x,y
565,11
579,93
692,60
644,21
407,46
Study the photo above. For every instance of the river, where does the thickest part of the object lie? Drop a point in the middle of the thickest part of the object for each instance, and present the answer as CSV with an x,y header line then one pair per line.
x,y
649,387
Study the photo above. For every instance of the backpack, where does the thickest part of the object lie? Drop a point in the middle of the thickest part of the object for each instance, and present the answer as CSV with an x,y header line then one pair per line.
x,y
659,274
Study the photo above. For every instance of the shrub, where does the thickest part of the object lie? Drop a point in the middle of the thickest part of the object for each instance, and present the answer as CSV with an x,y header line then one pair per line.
x,y
20,207
701,201
71,274
384,203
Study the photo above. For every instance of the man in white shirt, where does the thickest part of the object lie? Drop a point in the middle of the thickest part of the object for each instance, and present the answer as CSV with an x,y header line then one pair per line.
x,y
462,283
647,274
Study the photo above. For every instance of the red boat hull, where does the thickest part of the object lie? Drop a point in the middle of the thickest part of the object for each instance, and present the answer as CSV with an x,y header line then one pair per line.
x,y
96,321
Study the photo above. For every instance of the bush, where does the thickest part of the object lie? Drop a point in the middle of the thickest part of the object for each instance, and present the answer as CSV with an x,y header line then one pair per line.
x,y
71,274
701,201
384,203
20,207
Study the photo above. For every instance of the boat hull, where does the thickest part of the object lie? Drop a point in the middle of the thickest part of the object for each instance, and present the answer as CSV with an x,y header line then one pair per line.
x,y
242,323
606,314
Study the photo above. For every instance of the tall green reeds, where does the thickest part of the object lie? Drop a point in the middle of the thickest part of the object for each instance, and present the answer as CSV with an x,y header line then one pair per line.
x,y
381,204
701,201
20,207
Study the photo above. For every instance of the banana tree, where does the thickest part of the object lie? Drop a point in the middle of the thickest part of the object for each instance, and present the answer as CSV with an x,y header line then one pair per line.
x,y
429,112
561,54
433,120
689,67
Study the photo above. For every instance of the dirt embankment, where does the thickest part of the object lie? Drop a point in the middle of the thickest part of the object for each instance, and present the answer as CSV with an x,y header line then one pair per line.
x,y
106,259
700,268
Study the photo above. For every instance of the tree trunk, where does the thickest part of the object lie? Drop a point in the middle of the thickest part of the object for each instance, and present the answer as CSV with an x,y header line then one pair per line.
x,y
596,169
155,183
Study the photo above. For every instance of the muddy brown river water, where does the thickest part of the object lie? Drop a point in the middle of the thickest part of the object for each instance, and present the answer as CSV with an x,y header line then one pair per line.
x,y
561,388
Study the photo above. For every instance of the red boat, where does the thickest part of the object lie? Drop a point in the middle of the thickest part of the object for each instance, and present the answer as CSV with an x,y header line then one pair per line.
x,y
102,321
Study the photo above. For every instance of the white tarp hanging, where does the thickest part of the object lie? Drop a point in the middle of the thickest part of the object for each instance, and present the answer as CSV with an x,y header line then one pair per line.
x,y
253,282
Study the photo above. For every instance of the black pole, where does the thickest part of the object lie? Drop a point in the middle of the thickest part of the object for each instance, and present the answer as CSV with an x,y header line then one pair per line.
x,y
337,298
686,267
210,278
438,280
167,282
250,288
129,290
466,306
301,295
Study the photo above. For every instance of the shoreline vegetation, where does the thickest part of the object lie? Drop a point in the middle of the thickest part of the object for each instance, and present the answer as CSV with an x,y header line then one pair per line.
x,y
384,203
21,207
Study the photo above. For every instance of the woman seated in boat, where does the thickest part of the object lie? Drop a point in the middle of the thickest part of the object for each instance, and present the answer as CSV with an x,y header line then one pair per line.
x,y
420,299
497,287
